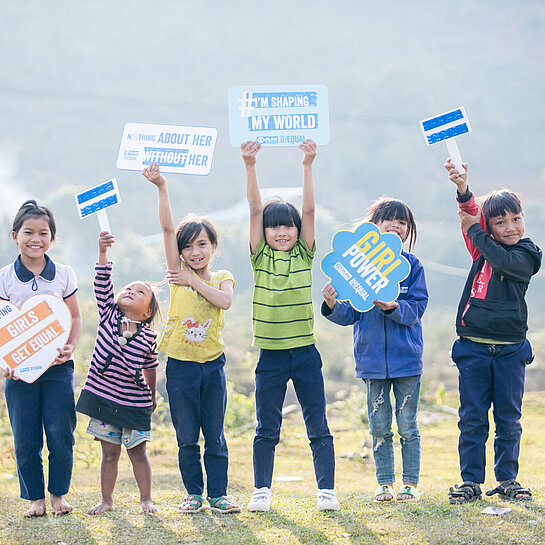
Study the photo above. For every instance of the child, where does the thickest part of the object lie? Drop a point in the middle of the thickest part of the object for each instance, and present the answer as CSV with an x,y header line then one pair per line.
x,y
119,392
492,351
47,403
388,351
194,345
282,249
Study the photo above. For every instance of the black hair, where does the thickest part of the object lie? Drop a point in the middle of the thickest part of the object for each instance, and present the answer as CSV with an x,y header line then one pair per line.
x,y
154,307
499,202
387,208
280,212
31,209
191,226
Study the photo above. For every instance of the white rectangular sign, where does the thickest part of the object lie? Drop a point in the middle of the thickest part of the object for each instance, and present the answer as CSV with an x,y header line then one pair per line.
x,y
444,126
98,198
278,115
176,148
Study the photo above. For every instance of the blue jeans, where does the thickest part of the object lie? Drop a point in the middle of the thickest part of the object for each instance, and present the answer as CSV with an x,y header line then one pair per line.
x,y
490,375
379,408
197,395
47,404
304,367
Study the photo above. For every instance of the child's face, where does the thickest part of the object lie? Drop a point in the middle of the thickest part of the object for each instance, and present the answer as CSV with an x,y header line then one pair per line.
x,y
397,226
134,301
198,253
33,238
508,229
281,237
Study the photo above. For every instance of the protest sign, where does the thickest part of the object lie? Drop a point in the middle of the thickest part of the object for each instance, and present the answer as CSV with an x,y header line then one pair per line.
x,y
30,336
366,265
445,127
278,115
176,148
96,200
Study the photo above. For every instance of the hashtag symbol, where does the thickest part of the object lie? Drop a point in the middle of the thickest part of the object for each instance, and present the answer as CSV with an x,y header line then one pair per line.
x,y
246,104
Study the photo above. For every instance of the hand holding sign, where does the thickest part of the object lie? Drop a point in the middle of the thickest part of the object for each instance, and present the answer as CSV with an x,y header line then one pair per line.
x,y
365,267
33,337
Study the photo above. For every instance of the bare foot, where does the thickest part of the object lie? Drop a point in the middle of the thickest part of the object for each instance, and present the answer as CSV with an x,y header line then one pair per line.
x,y
146,506
60,505
101,507
37,509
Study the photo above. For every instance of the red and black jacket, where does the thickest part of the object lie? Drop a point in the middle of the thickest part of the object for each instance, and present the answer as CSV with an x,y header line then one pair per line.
x,y
492,305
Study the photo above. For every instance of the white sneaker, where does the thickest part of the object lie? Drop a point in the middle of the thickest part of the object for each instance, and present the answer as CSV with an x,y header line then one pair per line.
x,y
326,500
261,500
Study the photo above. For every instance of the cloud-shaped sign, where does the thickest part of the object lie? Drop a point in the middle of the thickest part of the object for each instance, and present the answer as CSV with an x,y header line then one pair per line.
x,y
366,265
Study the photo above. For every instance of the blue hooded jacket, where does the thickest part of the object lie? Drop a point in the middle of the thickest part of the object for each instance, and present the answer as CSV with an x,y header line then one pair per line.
x,y
388,344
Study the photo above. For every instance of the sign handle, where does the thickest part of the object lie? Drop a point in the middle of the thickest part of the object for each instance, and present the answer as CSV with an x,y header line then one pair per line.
x,y
455,156
103,220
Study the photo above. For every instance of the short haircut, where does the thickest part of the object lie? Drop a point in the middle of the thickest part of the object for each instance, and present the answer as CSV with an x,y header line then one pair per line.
x,y
191,226
277,212
31,209
154,307
499,202
386,208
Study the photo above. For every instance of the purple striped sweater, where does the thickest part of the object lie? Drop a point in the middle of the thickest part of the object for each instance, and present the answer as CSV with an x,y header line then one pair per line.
x,y
115,390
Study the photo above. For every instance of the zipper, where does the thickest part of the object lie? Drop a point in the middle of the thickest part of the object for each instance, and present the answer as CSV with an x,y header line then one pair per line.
x,y
385,347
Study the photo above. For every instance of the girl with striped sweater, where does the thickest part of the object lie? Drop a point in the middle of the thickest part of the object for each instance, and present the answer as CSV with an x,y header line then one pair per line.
x,y
119,392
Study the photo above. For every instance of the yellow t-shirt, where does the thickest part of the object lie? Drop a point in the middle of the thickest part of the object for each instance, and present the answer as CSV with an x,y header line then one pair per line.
x,y
194,327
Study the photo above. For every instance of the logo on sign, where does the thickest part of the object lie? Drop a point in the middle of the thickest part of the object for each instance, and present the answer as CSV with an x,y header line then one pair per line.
x,y
366,265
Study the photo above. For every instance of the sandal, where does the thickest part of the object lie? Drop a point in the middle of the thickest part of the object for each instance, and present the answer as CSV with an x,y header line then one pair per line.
x,y
510,490
465,493
192,504
383,490
223,504
407,490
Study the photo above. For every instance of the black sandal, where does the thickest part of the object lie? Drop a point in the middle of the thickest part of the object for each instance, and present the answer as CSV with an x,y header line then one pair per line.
x,y
465,493
509,490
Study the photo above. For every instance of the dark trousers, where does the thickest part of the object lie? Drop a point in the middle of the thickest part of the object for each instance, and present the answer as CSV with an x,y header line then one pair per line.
x,y
47,405
304,367
490,375
197,395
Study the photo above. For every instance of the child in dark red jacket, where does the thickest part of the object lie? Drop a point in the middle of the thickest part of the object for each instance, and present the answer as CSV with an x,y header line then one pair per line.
x,y
492,350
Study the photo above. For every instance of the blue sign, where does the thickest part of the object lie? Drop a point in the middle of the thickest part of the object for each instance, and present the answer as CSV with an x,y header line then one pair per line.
x,y
366,265
98,198
444,126
282,115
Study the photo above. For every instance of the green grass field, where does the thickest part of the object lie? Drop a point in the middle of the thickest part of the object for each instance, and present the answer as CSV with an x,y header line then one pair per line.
x,y
293,518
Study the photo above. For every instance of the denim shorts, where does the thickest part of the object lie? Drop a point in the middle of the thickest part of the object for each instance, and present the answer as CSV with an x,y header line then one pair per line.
x,y
116,434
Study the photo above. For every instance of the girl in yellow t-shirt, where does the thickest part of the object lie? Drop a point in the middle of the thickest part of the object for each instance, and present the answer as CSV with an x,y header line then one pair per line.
x,y
193,342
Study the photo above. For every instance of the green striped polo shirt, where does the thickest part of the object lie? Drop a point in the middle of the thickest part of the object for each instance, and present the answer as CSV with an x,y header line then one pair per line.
x,y
282,313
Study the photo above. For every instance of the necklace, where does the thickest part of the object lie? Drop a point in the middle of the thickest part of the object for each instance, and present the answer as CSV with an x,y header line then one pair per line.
x,y
126,334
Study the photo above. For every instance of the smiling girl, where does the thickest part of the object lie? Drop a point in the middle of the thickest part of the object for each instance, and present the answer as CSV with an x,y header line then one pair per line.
x,y
47,404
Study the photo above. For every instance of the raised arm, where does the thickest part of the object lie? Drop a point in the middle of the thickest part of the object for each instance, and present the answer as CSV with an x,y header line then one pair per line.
x,y
172,253
249,152
307,217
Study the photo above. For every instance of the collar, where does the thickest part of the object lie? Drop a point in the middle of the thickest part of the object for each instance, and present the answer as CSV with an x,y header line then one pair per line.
x,y
24,275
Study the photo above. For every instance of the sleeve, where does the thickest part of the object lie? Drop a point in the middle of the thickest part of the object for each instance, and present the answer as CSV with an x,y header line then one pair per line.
x,y
411,309
466,203
516,263
306,252
3,293
104,289
71,283
226,275
343,313
150,361
256,258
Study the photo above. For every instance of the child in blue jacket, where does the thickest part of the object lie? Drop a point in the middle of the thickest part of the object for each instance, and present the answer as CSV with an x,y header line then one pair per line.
x,y
388,351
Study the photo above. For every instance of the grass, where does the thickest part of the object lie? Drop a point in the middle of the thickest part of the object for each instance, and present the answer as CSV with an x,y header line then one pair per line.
x,y
293,519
